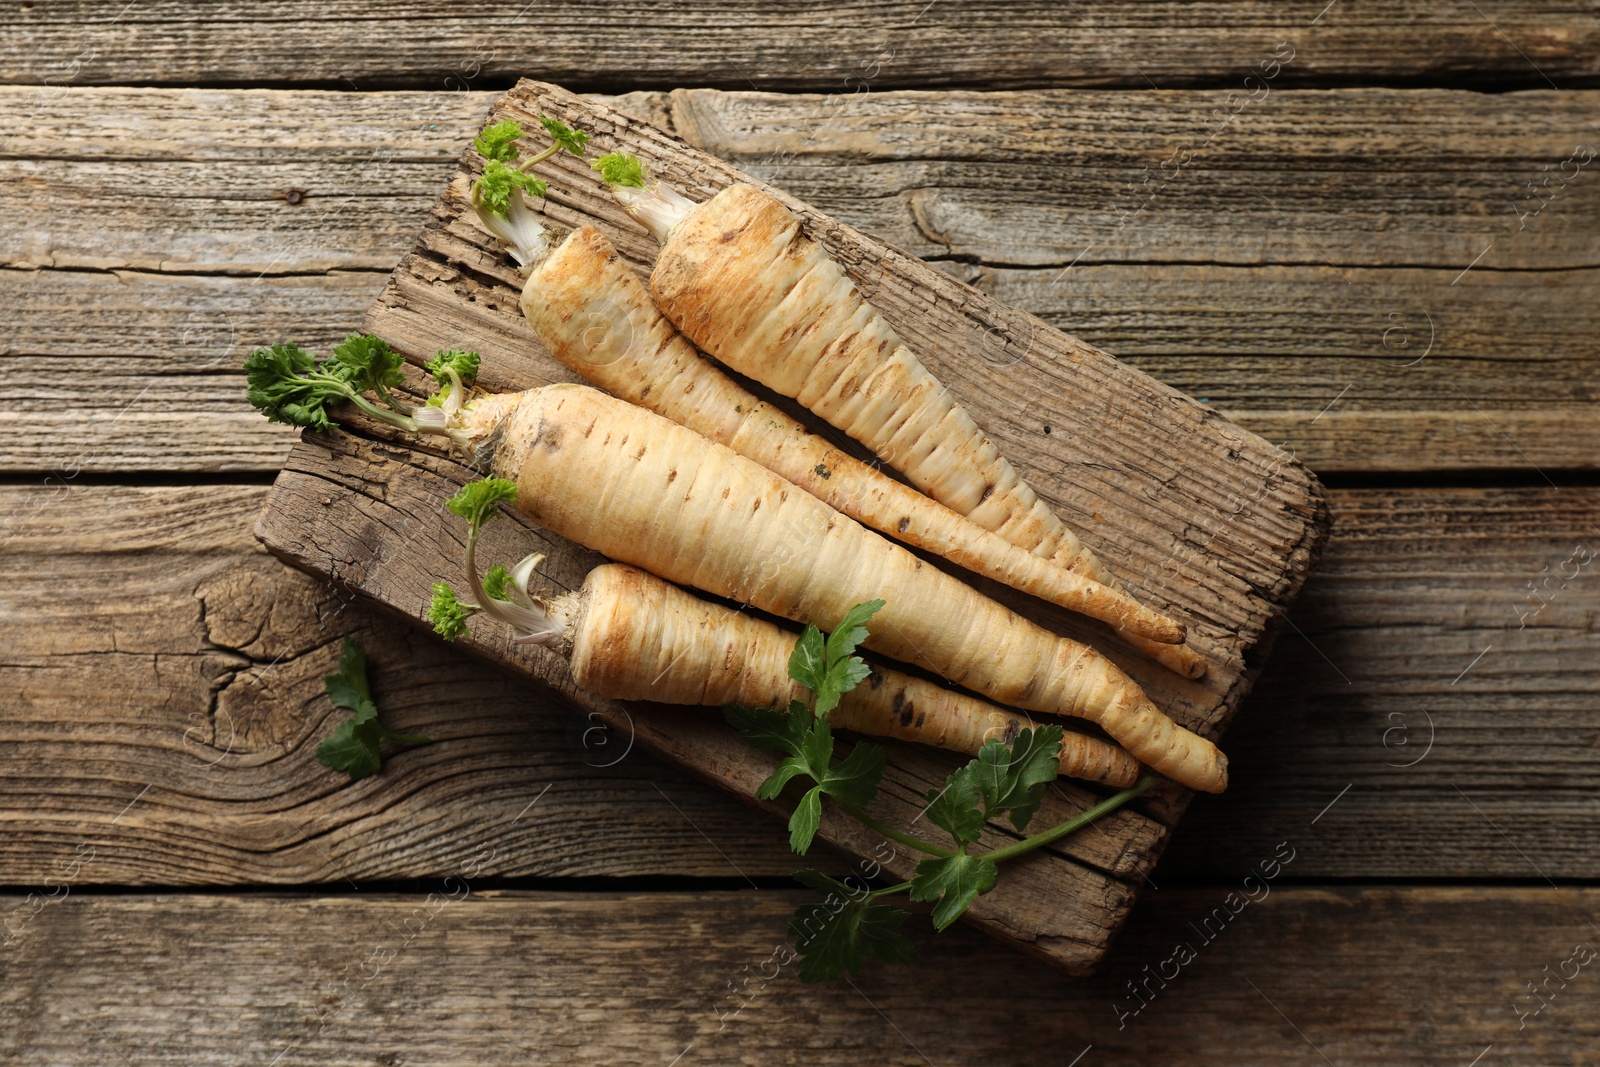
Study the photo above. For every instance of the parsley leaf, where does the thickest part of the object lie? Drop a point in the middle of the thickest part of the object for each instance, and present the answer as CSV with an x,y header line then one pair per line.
x,y
769,728
369,362
573,140
808,663
855,778
499,182
447,613
845,931
286,384
620,168
828,666
496,581
1013,779
955,882
497,142
805,820
476,501
464,363
955,807
353,748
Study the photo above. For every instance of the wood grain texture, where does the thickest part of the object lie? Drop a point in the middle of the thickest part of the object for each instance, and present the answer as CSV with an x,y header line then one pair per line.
x,y
1414,584
166,701
365,512
793,45
466,975
1419,659
175,243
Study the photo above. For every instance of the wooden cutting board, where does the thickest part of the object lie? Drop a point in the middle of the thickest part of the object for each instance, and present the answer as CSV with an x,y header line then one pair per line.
x,y
1203,520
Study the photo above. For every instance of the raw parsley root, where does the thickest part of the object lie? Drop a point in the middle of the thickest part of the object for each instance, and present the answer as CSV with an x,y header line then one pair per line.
x,y
353,748
632,636
601,472
642,490
592,311
594,314
742,282
845,931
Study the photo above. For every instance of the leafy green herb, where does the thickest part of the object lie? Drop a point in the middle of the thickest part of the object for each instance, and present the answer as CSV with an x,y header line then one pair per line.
x,y
497,581
447,613
498,183
498,142
476,501
285,383
954,882
620,168
843,932
828,666
565,136
353,748
464,363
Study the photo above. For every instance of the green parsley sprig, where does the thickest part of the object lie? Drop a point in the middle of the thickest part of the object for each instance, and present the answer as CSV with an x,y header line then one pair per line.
x,y
353,748
850,928
290,385
501,593
494,194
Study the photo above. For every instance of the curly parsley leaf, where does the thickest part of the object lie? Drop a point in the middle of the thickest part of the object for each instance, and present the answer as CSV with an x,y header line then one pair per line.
x,y
464,363
1013,779
447,613
620,168
954,882
286,384
353,747
369,361
498,142
573,140
476,501
496,583
499,183
842,933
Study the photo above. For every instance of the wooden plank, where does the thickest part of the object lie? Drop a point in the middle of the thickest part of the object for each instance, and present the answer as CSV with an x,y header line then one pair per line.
x,y
1419,658
1413,585
1430,977
1151,493
844,47
1495,370
174,722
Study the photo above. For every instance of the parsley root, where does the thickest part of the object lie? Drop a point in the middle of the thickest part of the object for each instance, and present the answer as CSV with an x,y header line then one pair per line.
x,y
642,490
742,282
631,636
592,311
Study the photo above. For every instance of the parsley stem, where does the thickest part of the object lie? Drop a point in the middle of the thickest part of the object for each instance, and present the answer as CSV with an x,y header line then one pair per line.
x,y
393,418
539,157
888,891
890,832
1110,804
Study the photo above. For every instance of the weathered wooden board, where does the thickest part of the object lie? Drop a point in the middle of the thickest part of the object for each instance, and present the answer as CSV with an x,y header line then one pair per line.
x,y
1144,472
189,225
220,710
470,976
790,44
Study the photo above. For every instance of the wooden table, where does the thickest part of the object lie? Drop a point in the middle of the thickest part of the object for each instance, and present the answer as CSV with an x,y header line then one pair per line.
x,y
1344,255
